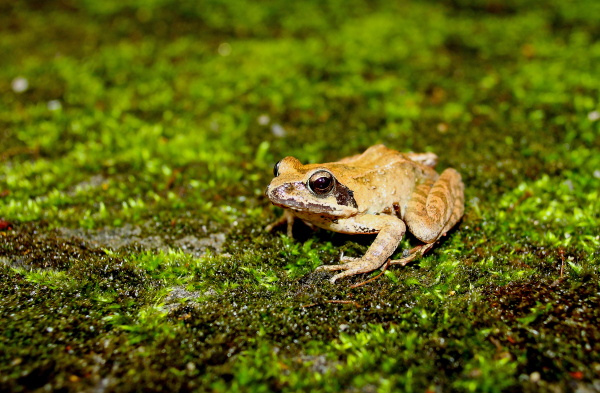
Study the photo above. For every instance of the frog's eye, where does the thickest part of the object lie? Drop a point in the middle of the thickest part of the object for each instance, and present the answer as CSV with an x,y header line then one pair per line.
x,y
276,169
321,182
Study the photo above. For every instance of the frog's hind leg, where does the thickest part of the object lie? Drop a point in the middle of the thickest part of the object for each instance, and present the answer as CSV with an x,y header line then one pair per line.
x,y
435,207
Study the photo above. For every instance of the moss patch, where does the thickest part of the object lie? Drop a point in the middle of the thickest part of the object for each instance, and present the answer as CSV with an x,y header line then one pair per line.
x,y
136,139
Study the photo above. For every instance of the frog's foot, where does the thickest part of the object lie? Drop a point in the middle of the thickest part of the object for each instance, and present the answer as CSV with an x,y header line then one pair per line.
x,y
354,266
409,255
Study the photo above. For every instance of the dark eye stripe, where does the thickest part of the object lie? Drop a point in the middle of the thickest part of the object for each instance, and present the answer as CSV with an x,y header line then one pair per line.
x,y
344,196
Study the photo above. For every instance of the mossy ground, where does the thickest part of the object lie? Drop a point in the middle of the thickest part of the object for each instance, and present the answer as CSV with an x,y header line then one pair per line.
x,y
137,137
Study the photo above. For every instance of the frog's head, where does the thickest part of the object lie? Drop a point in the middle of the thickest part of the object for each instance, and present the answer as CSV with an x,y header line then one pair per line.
x,y
311,189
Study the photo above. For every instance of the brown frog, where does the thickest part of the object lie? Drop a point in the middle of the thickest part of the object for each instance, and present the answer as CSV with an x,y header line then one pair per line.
x,y
380,191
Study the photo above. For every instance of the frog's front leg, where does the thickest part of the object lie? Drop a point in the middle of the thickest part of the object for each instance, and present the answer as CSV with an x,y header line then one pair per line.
x,y
390,230
287,218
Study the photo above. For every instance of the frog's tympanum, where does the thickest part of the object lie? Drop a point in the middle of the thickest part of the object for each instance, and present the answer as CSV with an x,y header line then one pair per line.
x,y
380,191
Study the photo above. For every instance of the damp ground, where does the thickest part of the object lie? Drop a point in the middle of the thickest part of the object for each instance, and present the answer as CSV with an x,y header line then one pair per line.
x,y
136,141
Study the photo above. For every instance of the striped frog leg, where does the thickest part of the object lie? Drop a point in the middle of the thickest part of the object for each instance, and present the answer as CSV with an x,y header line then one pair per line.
x,y
435,207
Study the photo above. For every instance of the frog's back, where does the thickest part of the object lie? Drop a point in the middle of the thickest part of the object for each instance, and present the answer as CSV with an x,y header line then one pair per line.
x,y
386,176
379,169
377,155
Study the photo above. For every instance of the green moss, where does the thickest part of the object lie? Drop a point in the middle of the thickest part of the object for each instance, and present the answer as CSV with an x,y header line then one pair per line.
x,y
132,170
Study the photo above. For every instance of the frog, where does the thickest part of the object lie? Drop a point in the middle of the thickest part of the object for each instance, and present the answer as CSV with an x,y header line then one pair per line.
x,y
381,192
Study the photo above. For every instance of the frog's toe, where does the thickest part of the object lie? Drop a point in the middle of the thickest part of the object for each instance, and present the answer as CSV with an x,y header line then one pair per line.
x,y
409,255
405,260
350,264
355,266
329,268
347,273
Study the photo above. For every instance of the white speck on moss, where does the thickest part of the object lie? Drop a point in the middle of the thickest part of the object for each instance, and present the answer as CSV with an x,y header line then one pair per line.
x,y
54,105
19,84
278,130
263,120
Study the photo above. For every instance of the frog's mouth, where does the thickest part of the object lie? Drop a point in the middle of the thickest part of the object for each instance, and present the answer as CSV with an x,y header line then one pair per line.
x,y
302,207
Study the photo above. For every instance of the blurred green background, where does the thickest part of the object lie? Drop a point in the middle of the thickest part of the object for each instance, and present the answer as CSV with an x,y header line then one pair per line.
x,y
137,137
